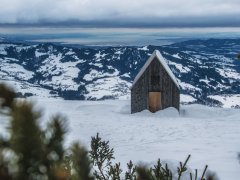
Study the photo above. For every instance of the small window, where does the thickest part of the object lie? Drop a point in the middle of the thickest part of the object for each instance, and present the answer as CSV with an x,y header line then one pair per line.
x,y
155,79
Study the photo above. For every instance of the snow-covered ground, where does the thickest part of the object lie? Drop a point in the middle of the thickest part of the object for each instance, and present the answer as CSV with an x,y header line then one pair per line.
x,y
210,135
227,100
25,87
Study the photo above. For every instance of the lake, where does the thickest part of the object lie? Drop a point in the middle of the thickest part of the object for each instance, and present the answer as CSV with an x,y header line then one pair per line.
x,y
113,36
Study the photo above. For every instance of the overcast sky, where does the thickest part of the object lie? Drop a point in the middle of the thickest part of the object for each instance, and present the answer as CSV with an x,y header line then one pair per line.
x,y
123,12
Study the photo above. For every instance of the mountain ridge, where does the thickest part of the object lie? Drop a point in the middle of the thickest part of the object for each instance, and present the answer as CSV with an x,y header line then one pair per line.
x,y
203,68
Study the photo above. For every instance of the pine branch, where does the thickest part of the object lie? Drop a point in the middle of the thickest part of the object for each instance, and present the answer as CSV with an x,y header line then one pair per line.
x,y
115,171
101,155
196,174
203,174
131,173
182,167
81,163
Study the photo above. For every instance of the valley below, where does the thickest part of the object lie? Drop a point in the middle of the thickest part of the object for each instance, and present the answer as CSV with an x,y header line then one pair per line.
x,y
208,71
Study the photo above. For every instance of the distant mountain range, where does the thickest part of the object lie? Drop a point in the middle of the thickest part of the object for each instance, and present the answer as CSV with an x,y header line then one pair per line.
x,y
208,70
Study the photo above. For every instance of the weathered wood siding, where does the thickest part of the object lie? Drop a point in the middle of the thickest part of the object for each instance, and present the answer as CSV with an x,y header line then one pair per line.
x,y
154,79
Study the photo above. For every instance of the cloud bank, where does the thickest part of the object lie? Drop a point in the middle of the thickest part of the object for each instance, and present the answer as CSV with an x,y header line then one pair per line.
x,y
122,12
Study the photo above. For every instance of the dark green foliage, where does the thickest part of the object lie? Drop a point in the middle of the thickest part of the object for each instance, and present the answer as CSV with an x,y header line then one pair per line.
x,y
195,176
160,172
7,96
4,143
25,140
4,174
115,172
204,172
67,164
81,163
211,176
143,173
102,156
53,138
131,172
37,152
182,168
4,171
164,173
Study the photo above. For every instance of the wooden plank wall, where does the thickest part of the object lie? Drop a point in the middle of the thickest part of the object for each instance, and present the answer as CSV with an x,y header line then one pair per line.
x,y
154,79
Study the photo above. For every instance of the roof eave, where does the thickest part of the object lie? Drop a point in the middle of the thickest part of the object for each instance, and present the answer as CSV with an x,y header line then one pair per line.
x,y
158,55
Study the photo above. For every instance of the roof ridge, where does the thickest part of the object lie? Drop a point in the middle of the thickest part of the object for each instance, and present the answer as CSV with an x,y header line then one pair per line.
x,y
161,59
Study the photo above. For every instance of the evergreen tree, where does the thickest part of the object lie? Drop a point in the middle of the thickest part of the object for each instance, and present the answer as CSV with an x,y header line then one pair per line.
x,y
25,140
54,151
131,172
161,172
115,172
38,153
81,163
102,156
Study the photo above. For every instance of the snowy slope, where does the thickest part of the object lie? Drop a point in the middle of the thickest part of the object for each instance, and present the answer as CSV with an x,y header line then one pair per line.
x,y
210,135
204,68
228,100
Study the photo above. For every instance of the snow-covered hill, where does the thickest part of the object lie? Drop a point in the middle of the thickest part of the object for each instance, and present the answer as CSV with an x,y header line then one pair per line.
x,y
206,69
211,135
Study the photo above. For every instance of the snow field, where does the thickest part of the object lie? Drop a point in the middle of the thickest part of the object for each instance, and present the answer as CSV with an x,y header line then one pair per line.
x,y
210,135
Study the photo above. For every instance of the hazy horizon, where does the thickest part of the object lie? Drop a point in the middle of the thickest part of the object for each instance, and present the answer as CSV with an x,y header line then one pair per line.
x,y
113,36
